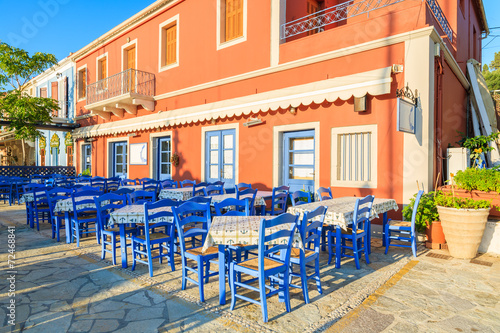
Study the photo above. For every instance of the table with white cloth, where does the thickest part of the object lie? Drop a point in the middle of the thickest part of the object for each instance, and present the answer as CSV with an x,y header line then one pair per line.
x,y
181,193
133,214
340,211
259,200
132,187
230,230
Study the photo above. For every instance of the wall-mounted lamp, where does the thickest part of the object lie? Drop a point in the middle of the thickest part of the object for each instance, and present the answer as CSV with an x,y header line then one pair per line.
x,y
252,122
132,135
58,75
293,110
212,121
128,39
360,104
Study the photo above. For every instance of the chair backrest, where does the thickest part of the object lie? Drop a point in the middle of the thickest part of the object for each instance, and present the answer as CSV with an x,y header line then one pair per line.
x,y
200,199
162,217
242,186
273,242
40,195
415,210
213,190
296,197
127,181
88,188
98,182
311,226
168,184
105,205
112,184
187,183
83,202
192,213
324,193
279,199
150,185
56,194
140,197
362,212
250,193
199,189
123,190
232,207
142,180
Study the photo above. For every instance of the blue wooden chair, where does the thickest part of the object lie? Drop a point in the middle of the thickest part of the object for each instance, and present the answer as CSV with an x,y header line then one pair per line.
x,y
28,188
199,189
324,193
140,197
218,183
264,267
106,204
211,190
185,216
89,188
151,186
142,180
99,182
40,206
357,234
187,183
403,231
250,193
151,240
56,219
126,181
310,231
300,198
168,184
84,219
5,192
123,190
242,186
112,184
200,199
278,202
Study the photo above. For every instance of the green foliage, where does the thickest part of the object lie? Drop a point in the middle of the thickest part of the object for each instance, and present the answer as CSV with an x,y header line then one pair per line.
x,y
86,172
448,200
478,145
478,179
426,211
491,73
23,112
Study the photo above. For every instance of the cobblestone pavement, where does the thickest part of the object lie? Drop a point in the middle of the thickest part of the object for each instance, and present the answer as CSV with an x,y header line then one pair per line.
x,y
61,288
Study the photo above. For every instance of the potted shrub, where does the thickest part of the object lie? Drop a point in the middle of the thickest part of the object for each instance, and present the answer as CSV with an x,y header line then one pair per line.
x,y
427,218
463,221
477,184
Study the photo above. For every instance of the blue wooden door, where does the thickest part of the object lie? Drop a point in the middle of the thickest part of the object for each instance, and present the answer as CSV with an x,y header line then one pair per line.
x,y
220,157
86,157
164,166
55,156
298,158
120,159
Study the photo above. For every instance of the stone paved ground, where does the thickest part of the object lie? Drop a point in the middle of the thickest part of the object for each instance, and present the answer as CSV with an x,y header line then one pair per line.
x,y
63,288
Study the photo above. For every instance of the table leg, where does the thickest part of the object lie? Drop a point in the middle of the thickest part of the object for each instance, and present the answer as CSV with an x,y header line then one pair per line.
x,y
263,210
123,245
222,274
384,222
67,227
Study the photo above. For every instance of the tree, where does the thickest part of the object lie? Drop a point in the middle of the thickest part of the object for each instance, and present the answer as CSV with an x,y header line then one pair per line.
x,y
491,73
23,112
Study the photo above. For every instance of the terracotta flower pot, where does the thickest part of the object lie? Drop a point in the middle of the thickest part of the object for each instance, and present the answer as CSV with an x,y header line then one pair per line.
x,y
477,195
463,229
435,233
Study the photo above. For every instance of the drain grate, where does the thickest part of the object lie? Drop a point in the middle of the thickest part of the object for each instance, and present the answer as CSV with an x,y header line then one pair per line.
x,y
481,262
438,256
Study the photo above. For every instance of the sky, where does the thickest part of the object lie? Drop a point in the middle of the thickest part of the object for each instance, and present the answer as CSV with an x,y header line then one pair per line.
x,y
63,26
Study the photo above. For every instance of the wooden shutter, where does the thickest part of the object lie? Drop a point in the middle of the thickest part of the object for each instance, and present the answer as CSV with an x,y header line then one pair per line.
x,y
104,73
82,83
69,155
131,65
171,45
312,7
234,19
55,95
43,92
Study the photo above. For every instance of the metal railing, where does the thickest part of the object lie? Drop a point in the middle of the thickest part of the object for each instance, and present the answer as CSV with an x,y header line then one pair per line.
x,y
439,15
128,81
317,21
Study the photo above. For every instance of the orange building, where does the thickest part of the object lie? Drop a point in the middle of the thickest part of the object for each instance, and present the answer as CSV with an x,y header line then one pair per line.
x,y
273,92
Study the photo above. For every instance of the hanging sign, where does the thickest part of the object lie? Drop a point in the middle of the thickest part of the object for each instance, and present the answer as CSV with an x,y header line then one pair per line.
x,y
68,140
54,142
407,110
42,143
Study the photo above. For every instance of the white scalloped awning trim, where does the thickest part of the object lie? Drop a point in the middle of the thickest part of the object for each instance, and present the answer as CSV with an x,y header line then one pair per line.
x,y
376,82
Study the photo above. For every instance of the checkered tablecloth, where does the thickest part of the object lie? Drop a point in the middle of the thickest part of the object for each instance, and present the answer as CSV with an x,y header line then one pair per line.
x,y
181,194
341,210
135,214
229,230
66,205
259,201
132,187
27,197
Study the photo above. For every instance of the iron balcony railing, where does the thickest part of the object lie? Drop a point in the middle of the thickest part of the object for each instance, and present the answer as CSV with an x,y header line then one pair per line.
x,y
128,81
341,12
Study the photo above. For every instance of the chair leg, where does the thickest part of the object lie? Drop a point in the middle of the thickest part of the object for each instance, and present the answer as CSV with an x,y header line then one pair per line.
x,y
286,290
200,278
356,252
318,279
171,255
113,248
414,245
134,254
338,247
184,273
150,261
263,300
303,278
103,247
331,244
387,238
232,285
367,253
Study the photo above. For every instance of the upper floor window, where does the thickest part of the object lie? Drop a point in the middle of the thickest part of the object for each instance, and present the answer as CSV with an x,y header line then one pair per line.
x,y
82,83
232,22
43,92
102,68
169,46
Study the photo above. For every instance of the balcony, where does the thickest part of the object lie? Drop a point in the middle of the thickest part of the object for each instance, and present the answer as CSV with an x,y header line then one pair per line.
x,y
328,17
121,93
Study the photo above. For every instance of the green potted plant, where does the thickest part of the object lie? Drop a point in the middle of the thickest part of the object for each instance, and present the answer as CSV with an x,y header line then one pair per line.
x,y
427,218
463,221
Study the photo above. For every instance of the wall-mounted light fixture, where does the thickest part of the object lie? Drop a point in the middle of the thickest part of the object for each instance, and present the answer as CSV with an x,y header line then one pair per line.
x,y
212,121
252,122
128,39
131,135
58,75
293,110
360,104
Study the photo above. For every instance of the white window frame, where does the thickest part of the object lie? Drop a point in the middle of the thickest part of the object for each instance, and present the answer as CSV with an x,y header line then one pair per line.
x,y
373,156
125,47
236,148
278,132
153,152
80,144
78,70
161,48
98,68
223,44
109,157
